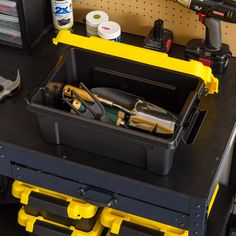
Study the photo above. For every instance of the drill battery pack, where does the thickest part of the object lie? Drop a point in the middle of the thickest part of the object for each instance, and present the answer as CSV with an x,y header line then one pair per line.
x,y
216,59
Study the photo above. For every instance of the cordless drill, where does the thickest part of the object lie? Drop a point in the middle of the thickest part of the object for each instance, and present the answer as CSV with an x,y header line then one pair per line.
x,y
211,51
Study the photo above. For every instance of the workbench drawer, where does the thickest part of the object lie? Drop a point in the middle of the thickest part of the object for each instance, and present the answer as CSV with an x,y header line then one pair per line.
x,y
9,22
10,36
8,7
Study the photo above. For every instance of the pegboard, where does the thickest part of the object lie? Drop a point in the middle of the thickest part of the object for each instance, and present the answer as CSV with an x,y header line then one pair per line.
x,y
138,16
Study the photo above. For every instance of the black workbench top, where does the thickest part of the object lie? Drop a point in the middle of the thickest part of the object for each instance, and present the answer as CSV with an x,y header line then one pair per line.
x,y
195,166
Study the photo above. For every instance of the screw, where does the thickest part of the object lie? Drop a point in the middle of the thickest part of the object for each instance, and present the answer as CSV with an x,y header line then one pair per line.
x,y
195,232
64,157
182,224
196,224
113,202
81,192
18,168
1,156
183,216
197,215
198,206
0,146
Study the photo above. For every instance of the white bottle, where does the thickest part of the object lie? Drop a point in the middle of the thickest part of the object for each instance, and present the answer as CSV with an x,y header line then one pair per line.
x,y
62,12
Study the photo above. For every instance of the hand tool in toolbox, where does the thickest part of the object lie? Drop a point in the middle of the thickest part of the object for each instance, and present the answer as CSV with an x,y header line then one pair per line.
x,y
140,114
211,52
159,39
56,207
8,87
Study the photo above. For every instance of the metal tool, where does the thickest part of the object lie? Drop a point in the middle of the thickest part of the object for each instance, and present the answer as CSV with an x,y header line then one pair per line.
x,y
8,87
134,111
211,51
142,115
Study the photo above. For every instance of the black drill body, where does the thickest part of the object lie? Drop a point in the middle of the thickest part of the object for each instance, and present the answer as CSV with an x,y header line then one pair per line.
x,y
222,10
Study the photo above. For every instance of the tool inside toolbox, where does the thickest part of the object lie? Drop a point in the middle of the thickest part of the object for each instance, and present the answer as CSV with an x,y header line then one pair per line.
x,y
111,106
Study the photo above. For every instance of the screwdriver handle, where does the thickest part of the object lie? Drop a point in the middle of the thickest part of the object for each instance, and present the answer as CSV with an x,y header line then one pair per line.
x,y
67,90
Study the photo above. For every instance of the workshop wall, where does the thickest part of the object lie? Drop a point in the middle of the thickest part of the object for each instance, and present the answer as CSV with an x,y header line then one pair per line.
x,y
137,17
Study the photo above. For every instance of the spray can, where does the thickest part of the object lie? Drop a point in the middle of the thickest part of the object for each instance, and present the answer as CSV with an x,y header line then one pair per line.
x,y
62,13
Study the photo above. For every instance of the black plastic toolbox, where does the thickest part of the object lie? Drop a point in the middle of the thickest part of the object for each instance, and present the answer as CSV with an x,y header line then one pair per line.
x,y
177,92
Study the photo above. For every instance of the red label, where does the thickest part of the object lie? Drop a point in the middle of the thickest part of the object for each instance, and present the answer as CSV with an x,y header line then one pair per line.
x,y
168,45
205,61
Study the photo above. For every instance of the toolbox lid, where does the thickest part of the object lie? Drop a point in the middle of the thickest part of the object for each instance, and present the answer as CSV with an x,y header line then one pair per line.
x,y
113,219
76,209
142,55
30,222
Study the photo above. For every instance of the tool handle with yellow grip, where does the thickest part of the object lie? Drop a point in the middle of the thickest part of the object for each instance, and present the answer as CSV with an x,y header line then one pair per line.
x,y
67,90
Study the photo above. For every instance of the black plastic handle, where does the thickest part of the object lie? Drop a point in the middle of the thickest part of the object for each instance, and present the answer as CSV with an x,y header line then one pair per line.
x,y
98,198
128,229
213,34
194,125
46,229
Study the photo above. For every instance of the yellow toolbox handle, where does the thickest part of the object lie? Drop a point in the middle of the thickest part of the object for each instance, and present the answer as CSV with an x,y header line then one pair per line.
x,y
142,55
